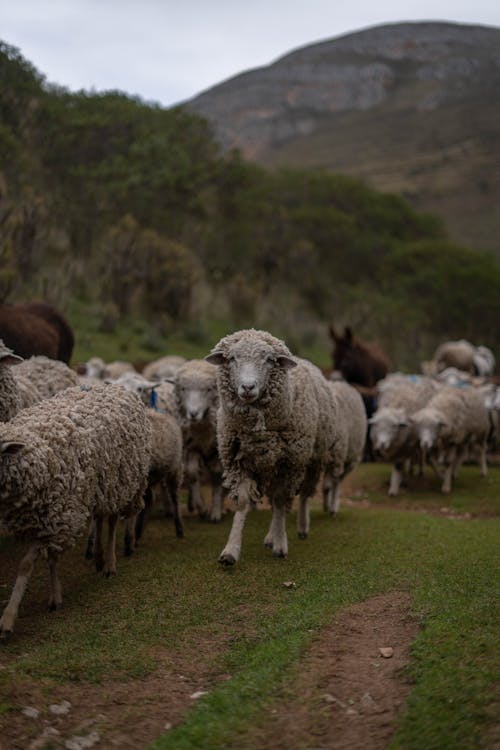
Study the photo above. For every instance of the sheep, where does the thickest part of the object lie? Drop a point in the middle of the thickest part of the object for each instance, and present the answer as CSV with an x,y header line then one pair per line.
x,y
454,420
476,360
77,455
275,426
49,376
29,381
351,427
166,468
392,433
162,368
97,368
195,386
10,398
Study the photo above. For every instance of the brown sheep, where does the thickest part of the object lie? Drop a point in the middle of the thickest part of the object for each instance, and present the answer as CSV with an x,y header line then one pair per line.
x,y
36,328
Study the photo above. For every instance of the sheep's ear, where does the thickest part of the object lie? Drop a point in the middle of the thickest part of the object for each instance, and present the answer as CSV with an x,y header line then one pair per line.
x,y
286,362
216,358
11,447
403,423
348,334
333,333
10,359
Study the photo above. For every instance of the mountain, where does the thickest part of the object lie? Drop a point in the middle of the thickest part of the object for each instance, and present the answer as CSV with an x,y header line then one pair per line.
x,y
411,108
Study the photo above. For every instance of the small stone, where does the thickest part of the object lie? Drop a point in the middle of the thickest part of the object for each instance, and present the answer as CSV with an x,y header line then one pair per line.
x,y
167,726
351,712
289,584
386,652
30,712
367,702
198,694
60,709
82,742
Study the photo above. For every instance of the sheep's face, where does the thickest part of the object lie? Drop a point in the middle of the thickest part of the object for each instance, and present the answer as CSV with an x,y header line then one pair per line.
x,y
388,431
250,371
429,429
195,397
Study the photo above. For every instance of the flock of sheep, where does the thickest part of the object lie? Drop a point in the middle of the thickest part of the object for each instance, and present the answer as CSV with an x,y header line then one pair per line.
x,y
251,420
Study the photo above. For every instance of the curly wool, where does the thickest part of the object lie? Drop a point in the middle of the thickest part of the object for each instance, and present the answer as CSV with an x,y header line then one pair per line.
x,y
201,436
286,432
350,427
48,376
86,452
166,446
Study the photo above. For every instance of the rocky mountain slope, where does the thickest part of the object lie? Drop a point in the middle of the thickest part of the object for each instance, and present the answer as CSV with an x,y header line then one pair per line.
x,y
412,108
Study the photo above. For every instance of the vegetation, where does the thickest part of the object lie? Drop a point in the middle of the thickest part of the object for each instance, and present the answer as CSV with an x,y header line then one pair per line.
x,y
122,625
126,215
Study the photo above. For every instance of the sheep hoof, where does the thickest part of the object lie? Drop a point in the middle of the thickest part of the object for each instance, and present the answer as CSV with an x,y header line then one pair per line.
x,y
179,533
301,535
109,573
226,559
5,634
280,555
333,514
89,555
54,607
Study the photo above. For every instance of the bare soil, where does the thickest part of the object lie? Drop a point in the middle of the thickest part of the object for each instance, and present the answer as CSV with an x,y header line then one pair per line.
x,y
345,696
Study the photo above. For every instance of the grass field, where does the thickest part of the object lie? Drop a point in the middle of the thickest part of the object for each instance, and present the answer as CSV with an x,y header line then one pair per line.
x,y
174,599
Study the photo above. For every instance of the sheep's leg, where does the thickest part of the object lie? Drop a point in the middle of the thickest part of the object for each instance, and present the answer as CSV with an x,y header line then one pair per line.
x,y
217,501
247,494
24,572
110,560
449,461
280,541
55,598
335,498
269,538
98,550
396,479
327,486
174,498
483,459
89,552
139,523
303,518
197,501
231,552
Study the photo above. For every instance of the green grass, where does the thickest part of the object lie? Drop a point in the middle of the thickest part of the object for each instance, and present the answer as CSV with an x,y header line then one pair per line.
x,y
136,340
173,595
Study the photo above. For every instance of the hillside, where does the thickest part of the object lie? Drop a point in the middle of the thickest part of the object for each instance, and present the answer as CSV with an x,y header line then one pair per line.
x,y
411,108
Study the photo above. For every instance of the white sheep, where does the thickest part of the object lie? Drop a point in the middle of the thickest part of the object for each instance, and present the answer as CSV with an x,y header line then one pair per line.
x,y
166,470
162,368
392,433
77,455
195,384
24,383
454,421
275,427
347,451
97,368
461,354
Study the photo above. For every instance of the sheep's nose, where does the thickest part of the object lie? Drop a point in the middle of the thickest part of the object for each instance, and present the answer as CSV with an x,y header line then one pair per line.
x,y
194,415
247,391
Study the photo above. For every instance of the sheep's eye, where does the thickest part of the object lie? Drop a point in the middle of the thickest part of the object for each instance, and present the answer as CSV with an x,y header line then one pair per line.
x,y
271,359
231,358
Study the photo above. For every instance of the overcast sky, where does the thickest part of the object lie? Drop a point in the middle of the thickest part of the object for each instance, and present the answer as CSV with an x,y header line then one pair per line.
x,y
170,50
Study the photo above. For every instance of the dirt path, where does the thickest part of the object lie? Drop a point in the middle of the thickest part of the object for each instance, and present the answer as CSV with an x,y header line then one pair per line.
x,y
346,694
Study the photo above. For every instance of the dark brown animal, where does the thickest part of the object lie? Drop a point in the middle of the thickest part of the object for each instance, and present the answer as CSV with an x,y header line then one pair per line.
x,y
35,328
361,364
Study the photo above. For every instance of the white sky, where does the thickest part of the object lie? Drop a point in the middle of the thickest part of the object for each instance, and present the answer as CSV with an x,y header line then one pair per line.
x,y
168,51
